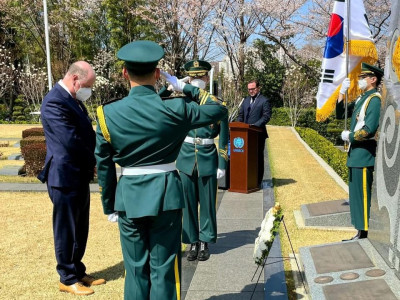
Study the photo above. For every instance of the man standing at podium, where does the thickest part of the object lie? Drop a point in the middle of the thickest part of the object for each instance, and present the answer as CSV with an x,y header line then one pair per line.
x,y
256,110
200,164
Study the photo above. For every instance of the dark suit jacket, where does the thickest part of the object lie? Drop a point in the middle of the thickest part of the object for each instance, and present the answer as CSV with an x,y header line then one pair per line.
x,y
258,114
70,140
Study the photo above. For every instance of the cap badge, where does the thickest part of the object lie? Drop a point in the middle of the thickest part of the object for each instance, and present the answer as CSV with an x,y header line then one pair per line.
x,y
196,64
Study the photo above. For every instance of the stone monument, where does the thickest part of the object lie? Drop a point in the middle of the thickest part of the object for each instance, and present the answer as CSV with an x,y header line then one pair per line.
x,y
384,231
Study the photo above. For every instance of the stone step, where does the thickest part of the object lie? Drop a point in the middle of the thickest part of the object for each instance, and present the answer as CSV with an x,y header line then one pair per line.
x,y
10,170
335,213
348,270
15,156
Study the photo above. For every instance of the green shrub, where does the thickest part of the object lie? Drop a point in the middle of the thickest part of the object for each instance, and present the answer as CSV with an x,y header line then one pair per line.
x,y
326,150
3,112
279,117
19,122
32,140
36,131
34,156
18,109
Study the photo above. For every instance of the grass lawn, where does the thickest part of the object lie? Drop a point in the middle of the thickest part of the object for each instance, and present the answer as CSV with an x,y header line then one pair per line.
x,y
27,253
299,179
15,179
7,151
14,130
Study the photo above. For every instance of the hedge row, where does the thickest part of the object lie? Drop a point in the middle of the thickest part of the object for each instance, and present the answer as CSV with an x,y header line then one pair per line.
x,y
34,156
326,150
37,131
330,128
32,140
19,122
33,149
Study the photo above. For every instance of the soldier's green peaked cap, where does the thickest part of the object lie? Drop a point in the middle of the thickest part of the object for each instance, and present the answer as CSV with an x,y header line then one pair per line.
x,y
367,69
197,68
141,56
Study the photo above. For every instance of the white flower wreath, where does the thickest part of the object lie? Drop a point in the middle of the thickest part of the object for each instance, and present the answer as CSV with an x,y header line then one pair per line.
x,y
269,228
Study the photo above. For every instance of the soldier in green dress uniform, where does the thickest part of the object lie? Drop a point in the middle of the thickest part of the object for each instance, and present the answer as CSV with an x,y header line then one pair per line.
x,y
364,112
200,164
143,134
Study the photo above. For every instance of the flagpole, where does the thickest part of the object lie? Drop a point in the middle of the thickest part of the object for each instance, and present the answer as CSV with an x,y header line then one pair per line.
x,y
346,145
46,32
212,81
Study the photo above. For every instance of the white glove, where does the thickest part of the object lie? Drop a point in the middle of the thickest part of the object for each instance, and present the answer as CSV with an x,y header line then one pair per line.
x,y
220,173
178,85
345,86
113,217
185,79
346,136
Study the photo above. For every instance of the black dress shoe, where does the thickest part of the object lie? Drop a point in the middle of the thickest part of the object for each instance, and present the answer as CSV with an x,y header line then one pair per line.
x,y
204,253
361,234
194,250
356,237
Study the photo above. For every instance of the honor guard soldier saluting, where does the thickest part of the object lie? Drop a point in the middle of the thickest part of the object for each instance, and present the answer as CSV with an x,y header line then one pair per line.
x,y
143,134
364,112
200,164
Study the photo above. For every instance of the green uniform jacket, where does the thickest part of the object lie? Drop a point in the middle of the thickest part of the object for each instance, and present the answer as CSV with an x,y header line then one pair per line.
x,y
362,149
143,130
205,156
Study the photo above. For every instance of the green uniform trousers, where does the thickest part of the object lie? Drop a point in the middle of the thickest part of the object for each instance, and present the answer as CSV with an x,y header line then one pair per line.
x,y
152,245
203,191
360,184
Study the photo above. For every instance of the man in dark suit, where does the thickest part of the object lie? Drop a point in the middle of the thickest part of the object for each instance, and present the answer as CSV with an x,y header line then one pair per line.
x,y
256,110
69,167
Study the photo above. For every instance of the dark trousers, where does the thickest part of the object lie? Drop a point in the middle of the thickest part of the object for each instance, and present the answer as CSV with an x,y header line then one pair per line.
x,y
261,147
360,184
70,228
199,191
151,247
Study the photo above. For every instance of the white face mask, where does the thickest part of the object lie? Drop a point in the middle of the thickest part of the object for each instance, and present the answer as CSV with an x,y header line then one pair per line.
x,y
198,83
362,84
83,93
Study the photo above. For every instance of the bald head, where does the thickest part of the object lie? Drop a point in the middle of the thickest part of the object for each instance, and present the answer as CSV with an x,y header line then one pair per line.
x,y
80,75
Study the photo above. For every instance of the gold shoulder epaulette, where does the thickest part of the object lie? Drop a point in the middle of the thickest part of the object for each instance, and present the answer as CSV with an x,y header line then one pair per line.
x,y
221,101
102,123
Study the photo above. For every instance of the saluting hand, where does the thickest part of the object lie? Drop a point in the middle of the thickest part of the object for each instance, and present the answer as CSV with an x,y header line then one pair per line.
x,y
177,84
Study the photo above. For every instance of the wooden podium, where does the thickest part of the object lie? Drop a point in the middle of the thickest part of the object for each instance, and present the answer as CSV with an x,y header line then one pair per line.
x,y
244,157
